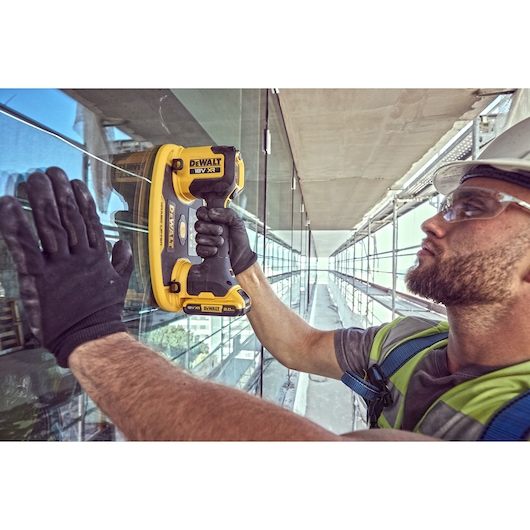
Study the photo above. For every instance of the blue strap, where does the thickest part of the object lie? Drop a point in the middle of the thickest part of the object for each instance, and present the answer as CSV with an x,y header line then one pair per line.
x,y
511,422
365,389
405,351
393,362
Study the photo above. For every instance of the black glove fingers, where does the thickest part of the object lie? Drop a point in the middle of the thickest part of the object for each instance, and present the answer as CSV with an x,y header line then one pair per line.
x,y
20,237
87,208
214,223
71,217
213,241
217,215
51,232
224,216
202,214
208,228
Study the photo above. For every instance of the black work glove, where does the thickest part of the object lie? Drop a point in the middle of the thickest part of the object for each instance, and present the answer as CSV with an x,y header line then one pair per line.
x,y
208,238
70,290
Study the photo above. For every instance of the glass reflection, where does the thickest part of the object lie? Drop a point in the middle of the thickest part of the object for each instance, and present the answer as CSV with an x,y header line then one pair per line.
x,y
105,137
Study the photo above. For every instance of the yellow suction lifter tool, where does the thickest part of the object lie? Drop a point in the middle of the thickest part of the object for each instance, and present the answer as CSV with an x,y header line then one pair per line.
x,y
181,176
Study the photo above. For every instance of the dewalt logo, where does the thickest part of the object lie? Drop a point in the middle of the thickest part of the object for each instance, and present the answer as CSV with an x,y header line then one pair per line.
x,y
205,165
212,308
170,226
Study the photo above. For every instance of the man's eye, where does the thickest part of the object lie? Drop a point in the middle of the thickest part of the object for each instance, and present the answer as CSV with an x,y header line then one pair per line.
x,y
472,206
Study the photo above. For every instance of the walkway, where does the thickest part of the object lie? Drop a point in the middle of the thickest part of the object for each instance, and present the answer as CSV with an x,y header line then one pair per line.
x,y
327,402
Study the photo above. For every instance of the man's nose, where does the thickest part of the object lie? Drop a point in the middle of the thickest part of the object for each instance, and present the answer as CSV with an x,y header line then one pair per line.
x,y
435,225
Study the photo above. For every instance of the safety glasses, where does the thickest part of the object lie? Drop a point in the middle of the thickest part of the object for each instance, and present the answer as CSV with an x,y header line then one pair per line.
x,y
469,203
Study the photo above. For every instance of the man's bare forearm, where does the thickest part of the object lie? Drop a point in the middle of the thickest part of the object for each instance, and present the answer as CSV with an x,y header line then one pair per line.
x,y
148,398
285,334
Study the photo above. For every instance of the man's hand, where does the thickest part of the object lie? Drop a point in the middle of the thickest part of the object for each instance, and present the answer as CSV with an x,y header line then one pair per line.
x,y
70,290
209,237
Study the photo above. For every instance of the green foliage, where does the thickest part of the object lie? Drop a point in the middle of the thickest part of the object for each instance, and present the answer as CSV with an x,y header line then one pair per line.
x,y
173,341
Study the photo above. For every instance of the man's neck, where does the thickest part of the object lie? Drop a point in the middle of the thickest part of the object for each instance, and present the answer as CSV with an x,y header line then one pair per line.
x,y
487,336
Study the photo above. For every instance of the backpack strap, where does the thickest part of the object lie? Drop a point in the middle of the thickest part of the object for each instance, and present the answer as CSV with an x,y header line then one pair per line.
x,y
374,387
510,423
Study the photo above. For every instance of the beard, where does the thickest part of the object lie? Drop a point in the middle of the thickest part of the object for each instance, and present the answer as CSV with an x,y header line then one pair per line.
x,y
483,277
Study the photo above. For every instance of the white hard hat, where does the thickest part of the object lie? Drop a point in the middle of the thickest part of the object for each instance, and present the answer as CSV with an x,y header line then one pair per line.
x,y
507,158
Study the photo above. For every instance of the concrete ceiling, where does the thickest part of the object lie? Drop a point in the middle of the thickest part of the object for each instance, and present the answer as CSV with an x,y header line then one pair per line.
x,y
351,146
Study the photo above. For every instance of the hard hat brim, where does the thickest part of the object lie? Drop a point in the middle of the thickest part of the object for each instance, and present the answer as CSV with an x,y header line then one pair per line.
x,y
448,177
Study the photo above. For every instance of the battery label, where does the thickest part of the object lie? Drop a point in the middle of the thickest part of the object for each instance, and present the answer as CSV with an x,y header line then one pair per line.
x,y
212,308
204,170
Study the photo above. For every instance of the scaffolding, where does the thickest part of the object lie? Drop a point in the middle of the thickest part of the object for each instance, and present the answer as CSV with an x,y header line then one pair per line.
x,y
354,265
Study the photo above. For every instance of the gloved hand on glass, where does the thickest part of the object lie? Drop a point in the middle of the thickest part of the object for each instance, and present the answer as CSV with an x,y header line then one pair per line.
x,y
70,291
209,239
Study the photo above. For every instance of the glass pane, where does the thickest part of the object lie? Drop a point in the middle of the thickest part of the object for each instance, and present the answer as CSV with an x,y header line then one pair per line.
x,y
111,139
38,399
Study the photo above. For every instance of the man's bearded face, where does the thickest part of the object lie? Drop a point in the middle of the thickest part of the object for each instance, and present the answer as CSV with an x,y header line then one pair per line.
x,y
471,278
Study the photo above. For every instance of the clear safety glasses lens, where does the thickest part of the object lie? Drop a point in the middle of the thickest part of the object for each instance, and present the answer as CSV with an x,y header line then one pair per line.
x,y
466,204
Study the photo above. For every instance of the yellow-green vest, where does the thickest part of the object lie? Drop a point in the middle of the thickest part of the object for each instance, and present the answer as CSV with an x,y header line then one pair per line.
x,y
461,412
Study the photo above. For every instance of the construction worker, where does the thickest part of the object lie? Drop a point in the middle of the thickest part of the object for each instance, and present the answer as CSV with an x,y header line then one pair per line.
x,y
475,259
73,298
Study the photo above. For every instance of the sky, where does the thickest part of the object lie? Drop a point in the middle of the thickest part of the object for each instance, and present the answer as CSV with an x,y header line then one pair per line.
x,y
42,105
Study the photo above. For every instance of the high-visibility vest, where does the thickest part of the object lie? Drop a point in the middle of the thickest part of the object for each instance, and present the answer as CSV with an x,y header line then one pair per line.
x,y
469,411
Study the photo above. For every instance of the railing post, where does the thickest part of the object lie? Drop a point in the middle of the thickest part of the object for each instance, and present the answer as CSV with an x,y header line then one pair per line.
x,y
394,255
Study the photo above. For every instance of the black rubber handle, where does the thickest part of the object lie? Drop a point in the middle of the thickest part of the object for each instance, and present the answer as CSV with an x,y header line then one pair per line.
x,y
214,273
